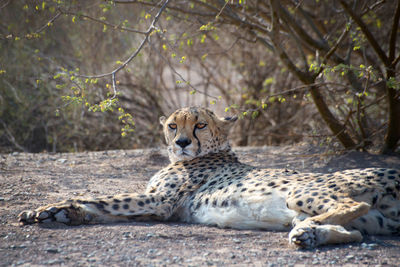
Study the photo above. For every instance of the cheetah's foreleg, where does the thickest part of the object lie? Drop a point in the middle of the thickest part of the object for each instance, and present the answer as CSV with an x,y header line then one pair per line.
x,y
117,208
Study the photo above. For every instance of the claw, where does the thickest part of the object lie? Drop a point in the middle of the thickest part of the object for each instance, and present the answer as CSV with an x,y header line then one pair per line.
x,y
43,215
52,210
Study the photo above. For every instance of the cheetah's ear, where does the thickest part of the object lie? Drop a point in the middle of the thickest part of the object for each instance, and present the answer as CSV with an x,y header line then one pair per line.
x,y
162,120
231,119
227,122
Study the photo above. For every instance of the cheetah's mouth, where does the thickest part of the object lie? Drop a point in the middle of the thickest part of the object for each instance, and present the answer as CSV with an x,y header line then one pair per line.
x,y
184,154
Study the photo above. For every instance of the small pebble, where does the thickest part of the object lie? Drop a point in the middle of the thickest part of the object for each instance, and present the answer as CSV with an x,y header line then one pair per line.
x,y
52,250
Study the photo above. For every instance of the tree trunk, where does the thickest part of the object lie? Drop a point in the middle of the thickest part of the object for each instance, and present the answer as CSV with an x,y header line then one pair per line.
x,y
338,129
393,132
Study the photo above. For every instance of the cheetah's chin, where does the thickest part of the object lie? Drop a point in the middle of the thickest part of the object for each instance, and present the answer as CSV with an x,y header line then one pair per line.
x,y
184,155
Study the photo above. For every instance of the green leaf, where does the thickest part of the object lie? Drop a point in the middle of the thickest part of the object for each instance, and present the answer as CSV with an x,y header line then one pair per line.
x,y
268,81
378,23
254,114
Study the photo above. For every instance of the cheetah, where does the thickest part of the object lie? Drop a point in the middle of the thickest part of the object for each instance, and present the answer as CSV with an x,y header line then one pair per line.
x,y
205,183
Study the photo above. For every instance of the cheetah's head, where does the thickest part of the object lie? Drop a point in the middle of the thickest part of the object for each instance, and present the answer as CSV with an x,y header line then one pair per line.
x,y
194,131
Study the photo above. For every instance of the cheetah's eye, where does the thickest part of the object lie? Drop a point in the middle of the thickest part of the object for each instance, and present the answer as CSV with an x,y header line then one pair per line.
x,y
200,125
172,126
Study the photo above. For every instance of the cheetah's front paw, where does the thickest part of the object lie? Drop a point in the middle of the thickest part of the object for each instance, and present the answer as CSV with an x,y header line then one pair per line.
x,y
68,212
45,214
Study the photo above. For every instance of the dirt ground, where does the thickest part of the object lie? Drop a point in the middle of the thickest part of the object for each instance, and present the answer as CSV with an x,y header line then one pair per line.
x,y
30,180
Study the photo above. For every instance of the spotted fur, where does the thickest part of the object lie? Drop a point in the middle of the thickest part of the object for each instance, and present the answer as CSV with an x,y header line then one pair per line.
x,y
205,183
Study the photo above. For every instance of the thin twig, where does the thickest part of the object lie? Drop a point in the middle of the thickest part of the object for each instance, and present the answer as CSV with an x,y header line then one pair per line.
x,y
132,56
373,6
371,39
360,112
394,63
179,75
394,33
11,138
304,87
174,8
222,9
333,48
48,24
5,4
104,22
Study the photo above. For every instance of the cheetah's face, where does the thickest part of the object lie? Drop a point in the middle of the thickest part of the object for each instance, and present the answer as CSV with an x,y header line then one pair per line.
x,y
192,132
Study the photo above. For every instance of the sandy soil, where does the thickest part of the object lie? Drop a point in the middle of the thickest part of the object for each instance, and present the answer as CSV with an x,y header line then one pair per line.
x,y
30,180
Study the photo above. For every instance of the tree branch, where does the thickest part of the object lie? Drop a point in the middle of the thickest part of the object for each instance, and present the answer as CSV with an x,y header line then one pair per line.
x,y
378,50
338,129
103,22
393,35
11,137
177,73
278,48
132,56
299,30
174,8
48,23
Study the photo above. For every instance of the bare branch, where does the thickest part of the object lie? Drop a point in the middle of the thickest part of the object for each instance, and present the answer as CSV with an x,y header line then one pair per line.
x,y
394,62
5,4
132,56
48,24
177,73
310,22
306,87
174,8
373,6
222,9
333,48
103,22
11,138
321,45
393,35
335,126
278,48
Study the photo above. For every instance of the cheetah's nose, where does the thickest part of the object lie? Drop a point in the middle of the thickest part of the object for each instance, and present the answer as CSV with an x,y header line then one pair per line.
x,y
183,142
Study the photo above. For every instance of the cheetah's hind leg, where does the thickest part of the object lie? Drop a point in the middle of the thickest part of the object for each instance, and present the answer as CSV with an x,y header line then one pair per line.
x,y
375,223
309,234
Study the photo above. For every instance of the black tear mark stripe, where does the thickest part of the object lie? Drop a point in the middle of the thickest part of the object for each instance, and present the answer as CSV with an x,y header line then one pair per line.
x,y
198,141
176,130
